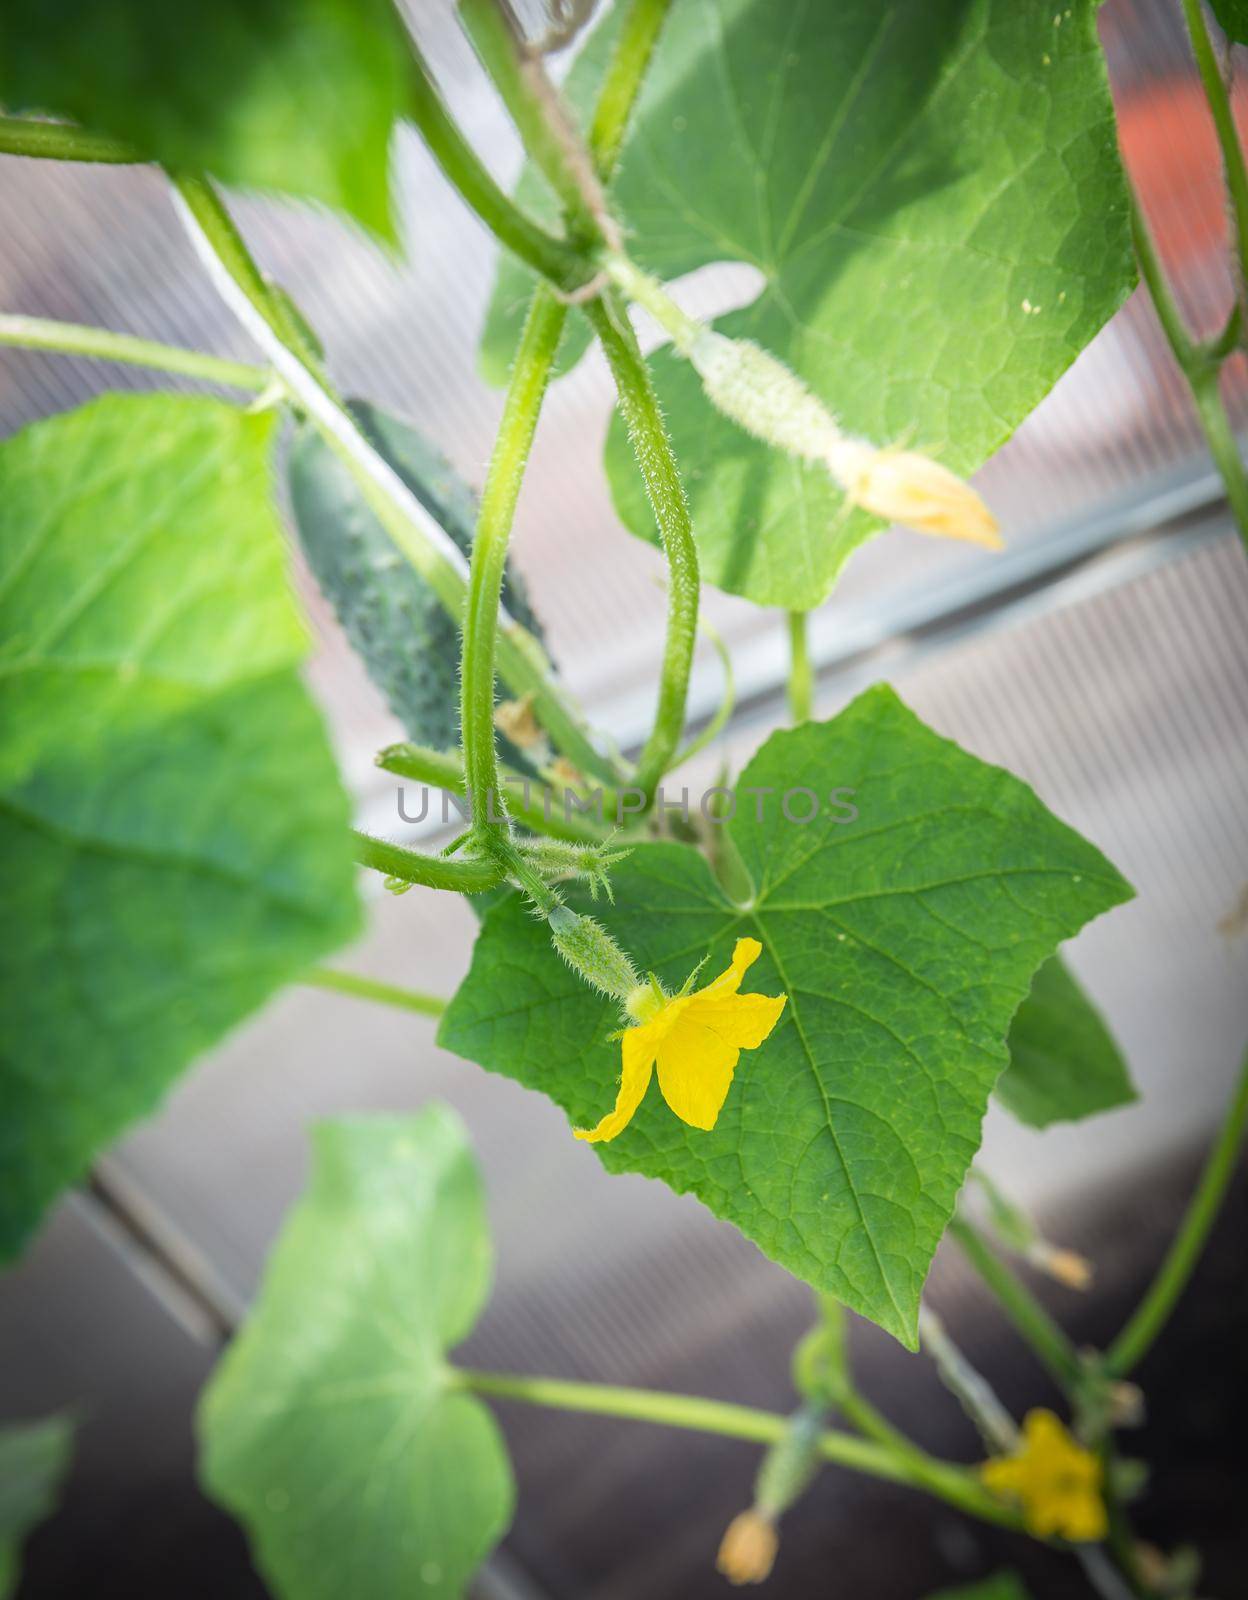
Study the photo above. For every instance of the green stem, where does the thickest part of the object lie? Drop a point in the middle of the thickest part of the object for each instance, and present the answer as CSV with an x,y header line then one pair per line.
x,y
653,298
57,141
75,339
427,1005
1133,1343
521,659
1224,123
727,701
1029,1317
801,674
445,770
635,44
433,872
550,257
720,1417
657,464
1199,365
529,377
550,138
217,225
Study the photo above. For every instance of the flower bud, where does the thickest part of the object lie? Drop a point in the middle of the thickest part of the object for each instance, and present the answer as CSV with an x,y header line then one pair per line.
x,y
592,953
747,1551
910,488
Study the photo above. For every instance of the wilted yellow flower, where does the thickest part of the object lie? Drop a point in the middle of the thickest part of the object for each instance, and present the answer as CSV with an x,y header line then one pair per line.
x,y
747,1551
912,489
514,719
1057,1481
1066,1266
696,1039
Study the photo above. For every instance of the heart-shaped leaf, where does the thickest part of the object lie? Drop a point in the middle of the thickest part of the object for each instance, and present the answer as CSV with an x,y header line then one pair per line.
x,y
904,919
932,193
331,1427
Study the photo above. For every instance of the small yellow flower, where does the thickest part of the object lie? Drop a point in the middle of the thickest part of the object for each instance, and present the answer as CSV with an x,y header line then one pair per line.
x,y
912,489
696,1040
747,1551
1055,1479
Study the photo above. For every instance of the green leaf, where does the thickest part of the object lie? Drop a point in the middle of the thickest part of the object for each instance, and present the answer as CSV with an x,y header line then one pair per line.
x,y
393,619
1233,15
331,1427
34,1458
174,831
298,96
1064,1063
932,191
905,939
1001,1586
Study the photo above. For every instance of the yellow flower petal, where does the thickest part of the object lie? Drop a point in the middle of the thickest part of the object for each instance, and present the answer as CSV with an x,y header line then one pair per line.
x,y
697,1039
1056,1481
637,1050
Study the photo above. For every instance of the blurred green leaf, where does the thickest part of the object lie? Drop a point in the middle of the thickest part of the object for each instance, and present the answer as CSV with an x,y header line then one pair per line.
x,y
1233,15
905,940
330,1427
174,830
297,96
34,1458
1064,1063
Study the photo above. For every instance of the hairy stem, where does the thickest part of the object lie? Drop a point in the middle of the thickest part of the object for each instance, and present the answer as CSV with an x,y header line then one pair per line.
x,y
529,377
445,770
552,258
549,135
75,339
426,1005
1224,123
657,464
1032,1321
1200,365
432,872
801,674
1133,1343
633,49
950,1482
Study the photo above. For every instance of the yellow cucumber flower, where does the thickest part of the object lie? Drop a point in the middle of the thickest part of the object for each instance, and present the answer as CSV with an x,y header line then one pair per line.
x,y
1057,1481
695,1039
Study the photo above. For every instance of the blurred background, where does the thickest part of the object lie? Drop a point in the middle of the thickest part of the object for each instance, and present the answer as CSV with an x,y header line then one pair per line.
x,y
1102,657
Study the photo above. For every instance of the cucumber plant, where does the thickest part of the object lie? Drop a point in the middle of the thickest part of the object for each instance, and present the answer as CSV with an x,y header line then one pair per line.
x,y
794,1002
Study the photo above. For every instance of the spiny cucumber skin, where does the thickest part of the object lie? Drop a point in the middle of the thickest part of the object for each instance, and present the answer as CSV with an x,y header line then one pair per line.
x,y
408,644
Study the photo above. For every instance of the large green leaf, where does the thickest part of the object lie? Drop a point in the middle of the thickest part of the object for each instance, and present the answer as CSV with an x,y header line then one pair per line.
x,y
905,940
392,617
1233,15
931,189
331,1427
174,833
299,96
34,1458
1064,1063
